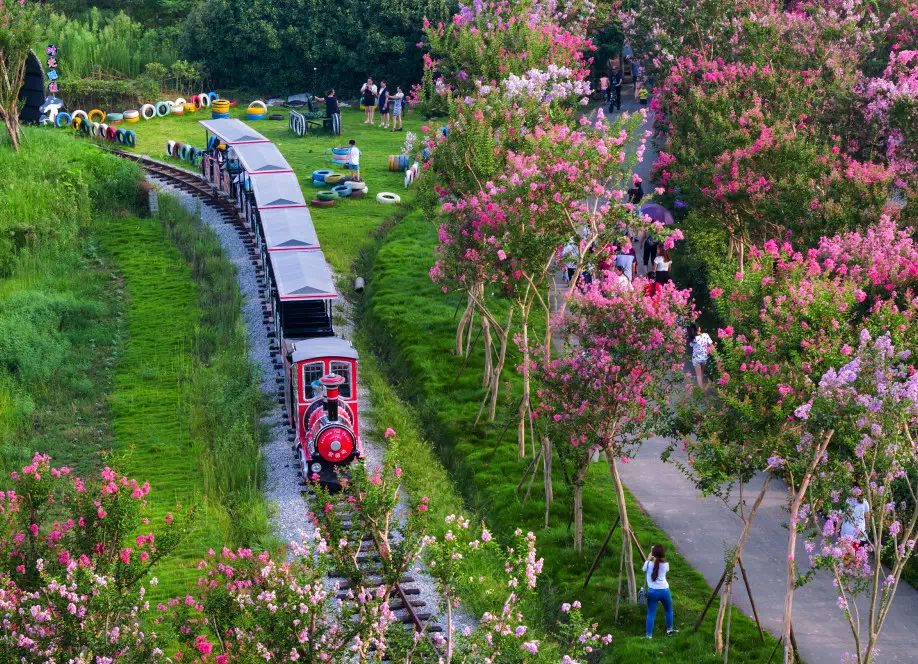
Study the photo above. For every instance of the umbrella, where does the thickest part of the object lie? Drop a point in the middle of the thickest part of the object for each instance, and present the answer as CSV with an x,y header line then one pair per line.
x,y
657,213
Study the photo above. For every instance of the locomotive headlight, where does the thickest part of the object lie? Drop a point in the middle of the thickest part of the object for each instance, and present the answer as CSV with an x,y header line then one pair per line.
x,y
316,467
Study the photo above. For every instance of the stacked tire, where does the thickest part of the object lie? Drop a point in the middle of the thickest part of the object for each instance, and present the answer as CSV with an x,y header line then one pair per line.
x,y
256,110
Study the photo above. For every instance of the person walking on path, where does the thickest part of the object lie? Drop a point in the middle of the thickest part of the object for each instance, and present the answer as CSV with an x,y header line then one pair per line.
x,y
856,516
397,109
383,105
332,111
368,93
615,101
604,88
655,569
661,267
701,349
627,261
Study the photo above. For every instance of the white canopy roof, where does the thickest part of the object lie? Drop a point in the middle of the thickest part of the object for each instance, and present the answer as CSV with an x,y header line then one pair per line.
x,y
310,349
286,229
277,190
261,158
302,275
233,132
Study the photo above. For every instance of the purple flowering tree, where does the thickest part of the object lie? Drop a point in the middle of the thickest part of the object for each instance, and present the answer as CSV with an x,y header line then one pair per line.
x,y
871,404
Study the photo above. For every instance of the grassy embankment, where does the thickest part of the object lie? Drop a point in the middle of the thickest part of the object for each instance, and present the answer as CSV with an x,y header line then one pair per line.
x,y
120,341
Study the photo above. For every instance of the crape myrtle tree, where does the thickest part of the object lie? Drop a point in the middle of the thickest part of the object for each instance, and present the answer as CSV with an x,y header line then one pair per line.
x,y
20,28
78,559
611,385
791,317
871,404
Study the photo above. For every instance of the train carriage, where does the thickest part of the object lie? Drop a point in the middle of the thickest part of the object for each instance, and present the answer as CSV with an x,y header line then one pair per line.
x,y
320,370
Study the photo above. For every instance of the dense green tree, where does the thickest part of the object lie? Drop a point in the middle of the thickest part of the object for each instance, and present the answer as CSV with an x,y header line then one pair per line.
x,y
296,45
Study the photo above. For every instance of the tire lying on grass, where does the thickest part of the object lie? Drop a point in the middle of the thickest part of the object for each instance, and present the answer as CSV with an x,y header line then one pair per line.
x,y
388,198
327,195
148,111
320,203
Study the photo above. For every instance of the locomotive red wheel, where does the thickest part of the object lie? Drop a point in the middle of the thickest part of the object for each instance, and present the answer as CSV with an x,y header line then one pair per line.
x,y
336,444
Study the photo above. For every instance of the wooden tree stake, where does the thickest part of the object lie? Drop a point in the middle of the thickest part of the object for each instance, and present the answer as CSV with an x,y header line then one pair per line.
x,y
602,550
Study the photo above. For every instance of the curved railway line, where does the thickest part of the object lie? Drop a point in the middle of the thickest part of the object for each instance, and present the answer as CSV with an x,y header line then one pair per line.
x,y
405,603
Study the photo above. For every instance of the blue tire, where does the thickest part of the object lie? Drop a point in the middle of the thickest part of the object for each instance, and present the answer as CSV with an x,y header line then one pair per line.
x,y
119,137
342,190
162,109
130,138
221,116
62,120
183,153
318,183
320,174
254,116
213,96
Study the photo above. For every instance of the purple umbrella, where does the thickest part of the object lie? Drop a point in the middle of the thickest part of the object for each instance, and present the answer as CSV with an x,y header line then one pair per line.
x,y
657,213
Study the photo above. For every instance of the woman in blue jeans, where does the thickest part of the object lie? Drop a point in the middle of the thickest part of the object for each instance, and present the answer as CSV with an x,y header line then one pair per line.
x,y
658,590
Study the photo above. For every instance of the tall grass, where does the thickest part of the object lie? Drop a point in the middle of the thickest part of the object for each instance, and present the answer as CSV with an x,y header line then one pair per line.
x,y
116,45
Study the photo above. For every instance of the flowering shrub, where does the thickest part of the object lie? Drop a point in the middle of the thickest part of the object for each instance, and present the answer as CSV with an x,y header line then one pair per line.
x,y
893,106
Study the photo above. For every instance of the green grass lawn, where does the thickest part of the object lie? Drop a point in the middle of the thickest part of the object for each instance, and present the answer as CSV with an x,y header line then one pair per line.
x,y
343,229
412,326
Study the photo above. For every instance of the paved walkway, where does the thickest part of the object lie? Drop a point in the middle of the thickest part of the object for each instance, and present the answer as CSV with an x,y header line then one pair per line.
x,y
702,527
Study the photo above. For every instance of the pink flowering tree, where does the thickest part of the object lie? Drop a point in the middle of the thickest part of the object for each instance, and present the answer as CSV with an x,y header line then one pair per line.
x,y
870,404
892,108
610,387
75,558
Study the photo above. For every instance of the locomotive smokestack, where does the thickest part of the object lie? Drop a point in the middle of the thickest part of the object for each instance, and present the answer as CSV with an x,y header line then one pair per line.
x,y
332,385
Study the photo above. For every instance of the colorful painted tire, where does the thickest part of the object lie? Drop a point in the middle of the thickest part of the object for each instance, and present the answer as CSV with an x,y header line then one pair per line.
x,y
409,177
213,96
318,184
189,108
213,142
130,138
327,195
259,104
232,102
398,162
322,174
196,101
177,150
148,111
85,127
320,203
254,116
334,178
181,101
79,114
219,116
184,152
353,185
357,193
131,114
110,134
119,136
76,123
94,129
177,110
341,190
97,114
221,106
103,129
170,145
132,120
388,198
112,118
205,100
62,120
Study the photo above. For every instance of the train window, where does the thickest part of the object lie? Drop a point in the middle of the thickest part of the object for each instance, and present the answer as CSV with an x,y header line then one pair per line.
x,y
311,373
343,369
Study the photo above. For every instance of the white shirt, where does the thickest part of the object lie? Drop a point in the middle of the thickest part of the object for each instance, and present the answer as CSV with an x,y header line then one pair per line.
x,y
662,265
354,156
660,583
372,87
624,283
855,524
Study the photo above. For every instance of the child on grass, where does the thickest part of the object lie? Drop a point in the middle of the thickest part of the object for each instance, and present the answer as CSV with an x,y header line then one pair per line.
x,y
353,159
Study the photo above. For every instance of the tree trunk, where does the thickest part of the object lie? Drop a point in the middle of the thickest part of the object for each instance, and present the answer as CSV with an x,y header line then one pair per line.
x,y
792,545
11,120
495,376
625,524
728,585
463,324
546,471
488,349
524,404
578,517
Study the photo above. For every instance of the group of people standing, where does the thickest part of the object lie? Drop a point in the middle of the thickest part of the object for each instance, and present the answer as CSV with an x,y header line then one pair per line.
x,y
389,104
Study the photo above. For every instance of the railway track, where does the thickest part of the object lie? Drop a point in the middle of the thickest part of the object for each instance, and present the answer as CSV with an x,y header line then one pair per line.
x,y
406,602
